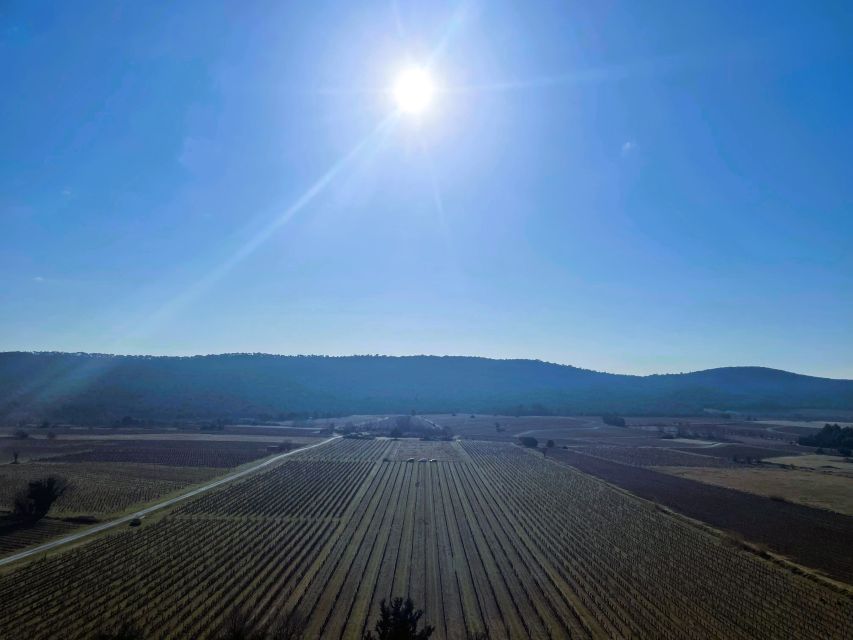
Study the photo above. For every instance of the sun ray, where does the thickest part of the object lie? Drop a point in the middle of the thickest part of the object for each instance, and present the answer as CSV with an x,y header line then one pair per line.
x,y
204,284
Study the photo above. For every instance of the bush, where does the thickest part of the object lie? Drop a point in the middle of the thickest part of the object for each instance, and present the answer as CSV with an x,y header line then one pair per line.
x,y
614,421
399,621
34,503
529,441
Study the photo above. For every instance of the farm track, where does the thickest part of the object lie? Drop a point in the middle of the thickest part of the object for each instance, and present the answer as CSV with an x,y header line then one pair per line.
x,y
492,537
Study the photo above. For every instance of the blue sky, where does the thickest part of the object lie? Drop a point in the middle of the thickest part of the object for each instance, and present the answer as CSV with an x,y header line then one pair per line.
x,y
632,187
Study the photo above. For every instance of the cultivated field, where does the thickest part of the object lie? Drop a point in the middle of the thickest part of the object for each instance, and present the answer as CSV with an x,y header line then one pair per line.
x,y
827,463
489,537
656,456
822,490
110,471
178,453
814,537
101,488
14,537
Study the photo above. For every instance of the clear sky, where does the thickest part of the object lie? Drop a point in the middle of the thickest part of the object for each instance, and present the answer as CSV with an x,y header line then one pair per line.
x,y
626,186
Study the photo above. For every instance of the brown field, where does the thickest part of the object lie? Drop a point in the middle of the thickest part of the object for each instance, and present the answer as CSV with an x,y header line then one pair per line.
x,y
739,451
821,490
655,456
179,453
500,540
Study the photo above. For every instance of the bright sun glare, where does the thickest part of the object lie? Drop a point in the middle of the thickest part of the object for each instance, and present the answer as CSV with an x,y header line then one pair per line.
x,y
413,90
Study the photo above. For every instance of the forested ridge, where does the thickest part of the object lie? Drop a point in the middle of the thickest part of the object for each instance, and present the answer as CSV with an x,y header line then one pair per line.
x,y
98,387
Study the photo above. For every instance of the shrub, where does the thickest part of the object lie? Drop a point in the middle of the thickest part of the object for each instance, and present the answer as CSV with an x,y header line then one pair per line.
x,y
399,621
38,498
529,441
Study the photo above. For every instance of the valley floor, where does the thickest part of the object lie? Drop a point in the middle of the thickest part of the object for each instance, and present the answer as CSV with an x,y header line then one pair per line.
x,y
484,536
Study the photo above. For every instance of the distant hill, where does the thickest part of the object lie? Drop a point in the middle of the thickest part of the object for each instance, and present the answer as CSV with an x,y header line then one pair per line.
x,y
100,388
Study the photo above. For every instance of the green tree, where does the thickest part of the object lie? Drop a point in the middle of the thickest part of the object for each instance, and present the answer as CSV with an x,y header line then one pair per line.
x,y
399,621
34,503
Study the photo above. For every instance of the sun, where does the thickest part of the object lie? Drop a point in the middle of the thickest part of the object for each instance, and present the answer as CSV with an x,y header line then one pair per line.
x,y
413,90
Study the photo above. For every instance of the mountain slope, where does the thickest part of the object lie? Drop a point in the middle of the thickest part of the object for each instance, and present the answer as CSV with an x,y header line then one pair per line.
x,y
89,387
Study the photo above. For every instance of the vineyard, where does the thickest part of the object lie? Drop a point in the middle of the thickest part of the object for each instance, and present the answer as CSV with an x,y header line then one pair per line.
x,y
178,453
656,456
788,529
738,451
101,488
489,537
14,537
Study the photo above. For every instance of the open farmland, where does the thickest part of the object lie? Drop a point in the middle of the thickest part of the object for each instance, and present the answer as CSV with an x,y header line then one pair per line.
x,y
814,537
736,452
37,448
491,538
816,489
178,453
110,472
828,463
14,537
654,456
101,488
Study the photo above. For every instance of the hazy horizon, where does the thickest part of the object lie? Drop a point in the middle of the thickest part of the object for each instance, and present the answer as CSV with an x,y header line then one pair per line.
x,y
620,188
407,355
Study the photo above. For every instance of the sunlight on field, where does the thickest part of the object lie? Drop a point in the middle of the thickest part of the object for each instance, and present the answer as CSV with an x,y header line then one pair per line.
x,y
493,535
822,490
810,424
815,461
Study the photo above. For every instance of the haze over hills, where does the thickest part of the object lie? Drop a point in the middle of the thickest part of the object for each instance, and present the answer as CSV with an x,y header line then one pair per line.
x,y
96,387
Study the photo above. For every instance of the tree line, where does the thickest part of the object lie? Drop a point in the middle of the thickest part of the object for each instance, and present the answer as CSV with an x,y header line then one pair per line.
x,y
832,436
